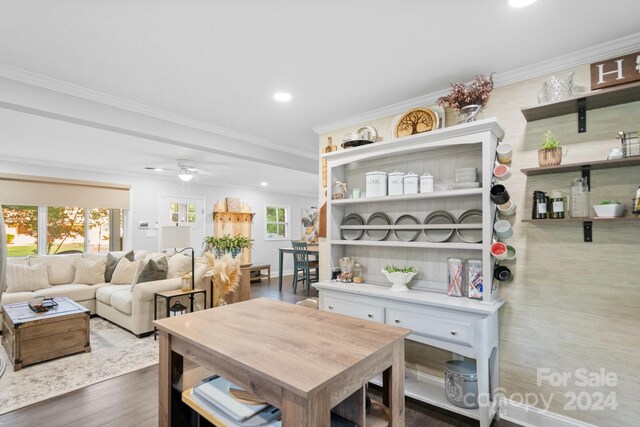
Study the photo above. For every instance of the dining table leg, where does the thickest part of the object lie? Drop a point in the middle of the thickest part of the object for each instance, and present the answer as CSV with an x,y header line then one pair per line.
x,y
300,412
393,387
170,369
280,270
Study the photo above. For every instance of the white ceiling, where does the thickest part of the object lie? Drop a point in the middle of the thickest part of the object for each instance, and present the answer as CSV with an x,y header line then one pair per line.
x,y
219,62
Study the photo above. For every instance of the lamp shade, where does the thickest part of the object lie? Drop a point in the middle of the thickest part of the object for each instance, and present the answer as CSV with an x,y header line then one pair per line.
x,y
176,236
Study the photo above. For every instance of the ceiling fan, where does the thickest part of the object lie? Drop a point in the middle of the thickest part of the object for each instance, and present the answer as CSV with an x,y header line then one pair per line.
x,y
185,170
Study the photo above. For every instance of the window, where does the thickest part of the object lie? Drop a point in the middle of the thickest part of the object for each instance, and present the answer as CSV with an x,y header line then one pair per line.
x,y
62,229
182,212
21,224
277,223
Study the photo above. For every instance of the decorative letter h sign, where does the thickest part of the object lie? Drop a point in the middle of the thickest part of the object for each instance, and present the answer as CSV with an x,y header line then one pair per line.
x,y
615,71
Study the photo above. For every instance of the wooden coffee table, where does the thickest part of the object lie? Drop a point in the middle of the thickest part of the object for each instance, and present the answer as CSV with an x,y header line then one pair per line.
x,y
30,337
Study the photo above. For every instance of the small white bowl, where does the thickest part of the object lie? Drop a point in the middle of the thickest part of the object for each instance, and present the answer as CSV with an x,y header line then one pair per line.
x,y
609,211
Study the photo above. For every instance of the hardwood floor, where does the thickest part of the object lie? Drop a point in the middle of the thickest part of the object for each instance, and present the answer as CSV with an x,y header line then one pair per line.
x,y
132,399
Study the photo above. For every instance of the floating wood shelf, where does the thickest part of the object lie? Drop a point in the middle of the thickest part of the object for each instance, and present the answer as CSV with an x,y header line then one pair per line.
x,y
593,100
578,220
577,167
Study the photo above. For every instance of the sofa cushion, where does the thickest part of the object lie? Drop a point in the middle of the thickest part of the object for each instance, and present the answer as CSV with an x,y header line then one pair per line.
x,y
140,255
89,272
72,291
153,270
125,272
112,262
60,267
94,256
179,265
121,301
104,293
25,278
19,260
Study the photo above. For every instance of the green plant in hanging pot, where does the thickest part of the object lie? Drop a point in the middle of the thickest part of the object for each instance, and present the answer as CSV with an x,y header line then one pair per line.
x,y
550,152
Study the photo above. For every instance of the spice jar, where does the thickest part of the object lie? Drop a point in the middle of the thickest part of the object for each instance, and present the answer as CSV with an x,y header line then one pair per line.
x,y
357,273
557,205
539,210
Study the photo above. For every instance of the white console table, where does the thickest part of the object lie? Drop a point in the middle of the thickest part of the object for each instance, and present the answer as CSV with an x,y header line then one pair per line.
x,y
466,327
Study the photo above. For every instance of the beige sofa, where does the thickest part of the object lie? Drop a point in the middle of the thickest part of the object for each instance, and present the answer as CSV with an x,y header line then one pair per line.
x,y
127,306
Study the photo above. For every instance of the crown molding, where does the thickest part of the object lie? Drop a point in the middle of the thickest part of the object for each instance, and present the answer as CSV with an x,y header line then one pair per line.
x,y
605,50
66,88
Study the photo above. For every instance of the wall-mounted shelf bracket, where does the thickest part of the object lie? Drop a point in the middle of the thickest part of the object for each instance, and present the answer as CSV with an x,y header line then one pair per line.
x,y
582,115
588,231
586,175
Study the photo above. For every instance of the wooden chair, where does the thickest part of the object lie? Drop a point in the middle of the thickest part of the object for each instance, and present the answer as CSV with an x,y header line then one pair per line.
x,y
301,264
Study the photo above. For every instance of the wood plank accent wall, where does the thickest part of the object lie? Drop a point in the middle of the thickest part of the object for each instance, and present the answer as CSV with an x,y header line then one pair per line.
x,y
571,304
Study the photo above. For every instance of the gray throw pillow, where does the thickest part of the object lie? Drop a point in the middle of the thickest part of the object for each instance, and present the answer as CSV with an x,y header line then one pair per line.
x,y
112,261
154,270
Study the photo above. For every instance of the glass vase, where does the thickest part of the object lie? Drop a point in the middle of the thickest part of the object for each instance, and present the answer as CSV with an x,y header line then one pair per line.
x,y
469,113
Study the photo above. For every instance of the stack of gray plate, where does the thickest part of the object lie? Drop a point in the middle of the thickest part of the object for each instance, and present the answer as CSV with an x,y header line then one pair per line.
x,y
352,219
441,234
470,235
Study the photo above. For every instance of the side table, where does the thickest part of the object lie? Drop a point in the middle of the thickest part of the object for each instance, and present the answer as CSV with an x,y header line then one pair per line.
x,y
169,295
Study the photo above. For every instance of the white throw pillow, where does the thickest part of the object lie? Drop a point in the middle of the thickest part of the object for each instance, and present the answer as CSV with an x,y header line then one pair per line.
x,y
90,272
125,272
179,265
24,278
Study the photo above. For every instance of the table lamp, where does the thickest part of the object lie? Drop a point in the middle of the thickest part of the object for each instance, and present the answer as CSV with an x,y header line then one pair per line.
x,y
179,236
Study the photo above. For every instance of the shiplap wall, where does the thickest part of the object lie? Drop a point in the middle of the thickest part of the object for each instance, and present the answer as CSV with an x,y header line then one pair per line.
x,y
572,304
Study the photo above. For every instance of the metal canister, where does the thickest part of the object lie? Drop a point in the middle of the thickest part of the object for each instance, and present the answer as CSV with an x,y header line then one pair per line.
x,y
411,183
376,184
396,184
461,383
539,209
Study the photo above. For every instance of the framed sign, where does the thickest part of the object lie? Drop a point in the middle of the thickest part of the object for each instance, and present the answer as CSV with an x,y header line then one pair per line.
x,y
615,71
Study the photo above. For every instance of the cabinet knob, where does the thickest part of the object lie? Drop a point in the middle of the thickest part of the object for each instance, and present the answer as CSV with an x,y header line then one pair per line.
x,y
330,307
397,320
453,332
370,315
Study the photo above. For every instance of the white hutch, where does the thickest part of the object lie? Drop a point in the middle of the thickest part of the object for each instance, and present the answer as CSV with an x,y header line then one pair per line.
x,y
466,327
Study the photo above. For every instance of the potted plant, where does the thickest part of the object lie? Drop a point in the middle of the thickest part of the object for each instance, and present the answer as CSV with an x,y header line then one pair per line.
x,y
468,99
226,244
550,153
399,277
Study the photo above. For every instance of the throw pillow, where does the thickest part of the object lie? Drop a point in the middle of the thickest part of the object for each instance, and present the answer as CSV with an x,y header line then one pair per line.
x,y
153,270
179,265
25,278
89,272
125,271
112,262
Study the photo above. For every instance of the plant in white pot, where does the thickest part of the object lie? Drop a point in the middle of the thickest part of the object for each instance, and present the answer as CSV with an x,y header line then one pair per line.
x,y
399,277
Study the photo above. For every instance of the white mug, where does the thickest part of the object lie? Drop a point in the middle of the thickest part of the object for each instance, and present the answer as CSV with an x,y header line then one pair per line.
x,y
503,229
508,208
504,151
502,172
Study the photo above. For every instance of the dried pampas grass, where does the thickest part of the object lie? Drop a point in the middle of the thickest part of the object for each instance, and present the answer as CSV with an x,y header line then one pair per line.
x,y
225,273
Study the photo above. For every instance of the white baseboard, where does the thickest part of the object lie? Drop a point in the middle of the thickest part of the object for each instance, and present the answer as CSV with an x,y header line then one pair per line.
x,y
530,416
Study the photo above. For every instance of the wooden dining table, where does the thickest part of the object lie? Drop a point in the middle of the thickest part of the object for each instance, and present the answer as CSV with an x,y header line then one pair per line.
x,y
313,250
301,360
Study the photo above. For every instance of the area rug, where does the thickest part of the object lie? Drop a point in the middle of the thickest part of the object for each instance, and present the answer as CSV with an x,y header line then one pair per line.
x,y
114,352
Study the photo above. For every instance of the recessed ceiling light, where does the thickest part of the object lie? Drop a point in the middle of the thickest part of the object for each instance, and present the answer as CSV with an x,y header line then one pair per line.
x,y
521,3
264,183
282,96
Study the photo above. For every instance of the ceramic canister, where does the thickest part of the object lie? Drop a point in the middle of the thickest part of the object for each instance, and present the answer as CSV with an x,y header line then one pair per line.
x,y
376,184
411,183
426,183
396,185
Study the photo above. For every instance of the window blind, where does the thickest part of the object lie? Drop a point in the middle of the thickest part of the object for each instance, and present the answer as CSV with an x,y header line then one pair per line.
x,y
43,191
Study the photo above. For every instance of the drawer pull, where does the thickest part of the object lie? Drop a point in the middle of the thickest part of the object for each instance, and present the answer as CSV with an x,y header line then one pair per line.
x,y
453,332
370,315
397,320
330,307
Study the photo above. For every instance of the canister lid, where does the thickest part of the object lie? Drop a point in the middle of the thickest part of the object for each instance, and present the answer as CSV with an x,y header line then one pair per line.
x,y
394,173
556,194
411,175
461,368
426,175
376,173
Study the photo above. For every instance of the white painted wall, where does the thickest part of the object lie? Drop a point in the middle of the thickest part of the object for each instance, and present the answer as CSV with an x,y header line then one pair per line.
x,y
145,192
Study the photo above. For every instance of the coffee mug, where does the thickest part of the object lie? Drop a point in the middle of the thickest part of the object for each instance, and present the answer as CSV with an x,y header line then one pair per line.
x,y
499,194
499,250
504,152
501,273
355,193
503,229
502,172
508,208
511,253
